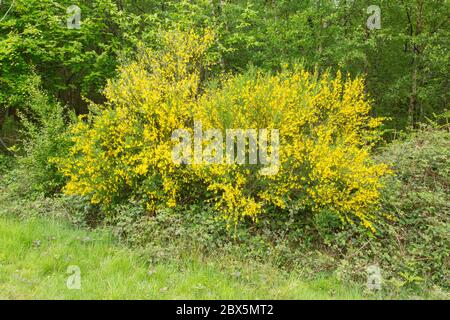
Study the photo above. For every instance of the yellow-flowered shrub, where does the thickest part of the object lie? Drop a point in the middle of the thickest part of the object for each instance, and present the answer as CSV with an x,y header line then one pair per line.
x,y
124,148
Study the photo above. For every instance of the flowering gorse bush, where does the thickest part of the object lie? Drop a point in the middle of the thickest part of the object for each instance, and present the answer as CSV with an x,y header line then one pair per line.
x,y
123,149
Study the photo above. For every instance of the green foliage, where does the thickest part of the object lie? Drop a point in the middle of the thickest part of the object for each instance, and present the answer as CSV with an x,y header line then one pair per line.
x,y
6,163
406,62
170,233
72,63
45,137
419,197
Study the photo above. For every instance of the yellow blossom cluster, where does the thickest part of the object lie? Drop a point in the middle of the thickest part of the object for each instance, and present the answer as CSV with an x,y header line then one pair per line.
x,y
124,147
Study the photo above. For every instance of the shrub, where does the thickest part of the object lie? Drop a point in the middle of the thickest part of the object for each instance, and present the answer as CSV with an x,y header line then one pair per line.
x,y
123,150
418,197
44,130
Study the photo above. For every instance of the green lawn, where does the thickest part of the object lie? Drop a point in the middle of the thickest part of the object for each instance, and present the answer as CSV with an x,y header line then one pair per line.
x,y
35,255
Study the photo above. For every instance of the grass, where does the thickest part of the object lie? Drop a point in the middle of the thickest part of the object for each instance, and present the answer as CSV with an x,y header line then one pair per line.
x,y
35,255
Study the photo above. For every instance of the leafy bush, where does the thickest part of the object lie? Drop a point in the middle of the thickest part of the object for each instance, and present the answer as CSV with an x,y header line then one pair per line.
x,y
44,137
418,196
124,149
